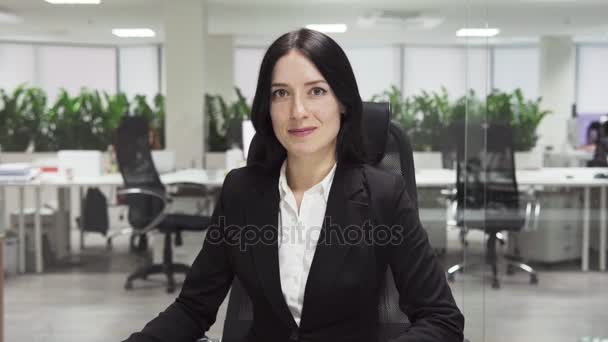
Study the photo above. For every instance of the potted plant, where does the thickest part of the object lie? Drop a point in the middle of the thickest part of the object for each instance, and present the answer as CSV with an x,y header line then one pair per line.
x,y
224,122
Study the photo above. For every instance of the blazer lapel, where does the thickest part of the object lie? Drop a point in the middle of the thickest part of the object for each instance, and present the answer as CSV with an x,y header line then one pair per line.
x,y
348,204
262,215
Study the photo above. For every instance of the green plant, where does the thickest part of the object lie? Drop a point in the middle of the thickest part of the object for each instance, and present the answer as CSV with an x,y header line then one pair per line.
x,y
10,120
85,121
526,118
21,118
159,122
498,107
224,121
424,116
467,108
403,110
79,122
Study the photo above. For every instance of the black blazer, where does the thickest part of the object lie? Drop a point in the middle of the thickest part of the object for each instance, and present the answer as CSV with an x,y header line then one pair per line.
x,y
341,294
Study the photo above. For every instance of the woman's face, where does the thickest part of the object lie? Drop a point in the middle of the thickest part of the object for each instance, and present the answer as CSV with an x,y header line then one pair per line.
x,y
305,112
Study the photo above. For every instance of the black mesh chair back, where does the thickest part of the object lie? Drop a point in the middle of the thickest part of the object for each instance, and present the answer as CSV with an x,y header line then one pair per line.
x,y
487,191
387,148
138,171
399,158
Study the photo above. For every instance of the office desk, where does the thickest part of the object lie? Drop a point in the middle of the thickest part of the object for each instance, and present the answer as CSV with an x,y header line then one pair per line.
x,y
212,178
547,177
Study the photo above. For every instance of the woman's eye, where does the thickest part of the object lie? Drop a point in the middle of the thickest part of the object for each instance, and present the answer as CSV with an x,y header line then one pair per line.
x,y
279,93
318,91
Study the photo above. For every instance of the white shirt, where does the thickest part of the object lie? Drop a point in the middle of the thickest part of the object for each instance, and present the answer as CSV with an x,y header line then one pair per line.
x,y
298,236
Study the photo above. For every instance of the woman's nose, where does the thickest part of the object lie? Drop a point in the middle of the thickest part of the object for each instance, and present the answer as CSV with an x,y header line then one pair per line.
x,y
298,109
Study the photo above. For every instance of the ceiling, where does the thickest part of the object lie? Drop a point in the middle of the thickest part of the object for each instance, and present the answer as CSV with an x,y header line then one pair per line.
x,y
254,22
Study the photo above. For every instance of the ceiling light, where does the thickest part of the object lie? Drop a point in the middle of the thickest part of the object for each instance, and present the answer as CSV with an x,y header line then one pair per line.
x,y
133,33
74,2
477,32
328,28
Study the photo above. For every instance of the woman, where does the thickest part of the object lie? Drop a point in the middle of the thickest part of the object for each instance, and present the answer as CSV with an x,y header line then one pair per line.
x,y
308,283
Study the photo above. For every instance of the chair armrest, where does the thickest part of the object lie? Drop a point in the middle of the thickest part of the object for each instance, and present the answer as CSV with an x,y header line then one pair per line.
x,y
187,188
166,200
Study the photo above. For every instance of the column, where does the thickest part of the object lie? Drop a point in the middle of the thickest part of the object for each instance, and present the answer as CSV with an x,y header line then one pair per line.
x,y
185,30
220,66
557,88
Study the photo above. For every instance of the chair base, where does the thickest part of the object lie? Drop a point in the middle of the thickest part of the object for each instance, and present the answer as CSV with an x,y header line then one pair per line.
x,y
511,267
168,270
168,267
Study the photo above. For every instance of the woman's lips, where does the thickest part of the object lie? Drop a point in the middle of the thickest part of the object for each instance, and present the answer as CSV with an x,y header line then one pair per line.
x,y
301,132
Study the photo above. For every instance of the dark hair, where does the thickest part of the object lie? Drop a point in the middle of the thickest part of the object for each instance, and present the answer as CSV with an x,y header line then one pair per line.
x,y
594,126
332,63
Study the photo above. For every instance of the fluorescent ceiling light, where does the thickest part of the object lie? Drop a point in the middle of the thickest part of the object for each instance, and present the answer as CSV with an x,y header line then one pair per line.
x,y
328,28
477,32
133,33
74,2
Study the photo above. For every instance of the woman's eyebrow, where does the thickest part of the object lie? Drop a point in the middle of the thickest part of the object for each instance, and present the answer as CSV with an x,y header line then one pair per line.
x,y
314,82
307,83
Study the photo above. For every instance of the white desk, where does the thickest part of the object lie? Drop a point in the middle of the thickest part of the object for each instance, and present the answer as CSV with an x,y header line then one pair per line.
x,y
433,178
212,178
547,177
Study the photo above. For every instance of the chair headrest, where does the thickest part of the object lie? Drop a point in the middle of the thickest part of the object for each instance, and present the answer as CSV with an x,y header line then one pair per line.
x,y
376,120
375,123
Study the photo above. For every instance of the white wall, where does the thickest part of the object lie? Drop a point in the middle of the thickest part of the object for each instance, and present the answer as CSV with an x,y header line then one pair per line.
x,y
17,65
52,67
456,69
73,67
557,83
592,79
138,71
517,67
247,61
375,68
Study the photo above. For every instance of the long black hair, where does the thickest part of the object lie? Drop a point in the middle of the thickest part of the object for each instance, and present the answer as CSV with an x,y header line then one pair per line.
x,y
332,63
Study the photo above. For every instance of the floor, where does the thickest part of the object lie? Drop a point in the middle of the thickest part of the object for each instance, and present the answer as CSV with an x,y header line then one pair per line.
x,y
85,301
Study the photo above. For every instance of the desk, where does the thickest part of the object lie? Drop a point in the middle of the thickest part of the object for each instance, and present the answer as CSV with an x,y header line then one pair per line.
x,y
214,178
547,177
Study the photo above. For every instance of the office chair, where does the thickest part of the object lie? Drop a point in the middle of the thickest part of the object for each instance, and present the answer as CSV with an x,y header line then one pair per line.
x,y
389,149
487,197
148,201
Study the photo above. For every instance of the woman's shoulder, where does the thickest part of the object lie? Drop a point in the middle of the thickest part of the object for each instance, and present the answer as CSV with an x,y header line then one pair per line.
x,y
247,177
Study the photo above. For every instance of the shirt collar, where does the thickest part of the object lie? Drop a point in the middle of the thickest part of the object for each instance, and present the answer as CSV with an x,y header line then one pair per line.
x,y
324,184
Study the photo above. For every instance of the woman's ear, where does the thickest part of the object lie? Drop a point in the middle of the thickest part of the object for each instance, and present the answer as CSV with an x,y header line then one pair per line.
x,y
342,109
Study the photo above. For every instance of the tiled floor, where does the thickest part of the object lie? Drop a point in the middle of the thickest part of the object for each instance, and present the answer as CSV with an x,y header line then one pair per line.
x,y
88,303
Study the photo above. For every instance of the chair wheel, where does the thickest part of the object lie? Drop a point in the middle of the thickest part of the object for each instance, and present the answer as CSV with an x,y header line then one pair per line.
x,y
533,279
129,286
495,284
510,270
451,277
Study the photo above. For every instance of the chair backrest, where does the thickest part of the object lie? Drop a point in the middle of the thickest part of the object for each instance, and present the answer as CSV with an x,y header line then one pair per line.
x,y
388,148
486,182
137,168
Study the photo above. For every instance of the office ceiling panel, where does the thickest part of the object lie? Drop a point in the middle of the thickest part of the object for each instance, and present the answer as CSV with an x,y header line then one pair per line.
x,y
425,21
